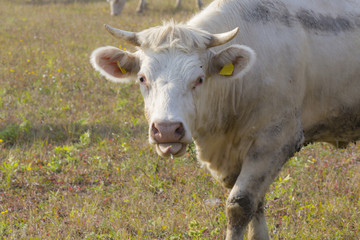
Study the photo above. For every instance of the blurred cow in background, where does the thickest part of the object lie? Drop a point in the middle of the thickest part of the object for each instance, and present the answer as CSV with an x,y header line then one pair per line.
x,y
116,6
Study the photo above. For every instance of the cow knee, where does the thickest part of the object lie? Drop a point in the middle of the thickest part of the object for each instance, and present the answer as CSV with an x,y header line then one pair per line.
x,y
239,210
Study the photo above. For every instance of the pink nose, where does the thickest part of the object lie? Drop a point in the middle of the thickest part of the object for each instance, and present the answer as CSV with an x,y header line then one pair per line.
x,y
167,132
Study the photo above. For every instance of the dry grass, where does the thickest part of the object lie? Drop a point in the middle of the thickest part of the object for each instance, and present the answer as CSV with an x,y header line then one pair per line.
x,y
75,162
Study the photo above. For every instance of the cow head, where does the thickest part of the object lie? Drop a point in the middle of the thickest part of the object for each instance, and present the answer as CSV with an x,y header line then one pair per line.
x,y
172,65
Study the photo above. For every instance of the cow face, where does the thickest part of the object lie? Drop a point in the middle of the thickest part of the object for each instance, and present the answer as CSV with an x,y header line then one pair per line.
x,y
172,81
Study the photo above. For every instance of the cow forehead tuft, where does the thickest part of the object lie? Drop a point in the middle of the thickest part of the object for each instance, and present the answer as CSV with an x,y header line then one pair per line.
x,y
172,35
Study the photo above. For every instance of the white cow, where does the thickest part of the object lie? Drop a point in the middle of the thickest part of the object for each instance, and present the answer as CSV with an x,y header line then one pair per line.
x,y
116,6
247,117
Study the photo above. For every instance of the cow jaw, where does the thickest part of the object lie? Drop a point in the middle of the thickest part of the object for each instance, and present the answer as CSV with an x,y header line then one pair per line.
x,y
171,149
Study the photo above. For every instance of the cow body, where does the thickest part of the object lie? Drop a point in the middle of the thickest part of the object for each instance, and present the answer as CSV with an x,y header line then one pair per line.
x,y
116,6
303,87
298,70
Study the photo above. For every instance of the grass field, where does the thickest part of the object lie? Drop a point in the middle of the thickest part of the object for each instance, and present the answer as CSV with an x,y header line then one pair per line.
x,y
75,162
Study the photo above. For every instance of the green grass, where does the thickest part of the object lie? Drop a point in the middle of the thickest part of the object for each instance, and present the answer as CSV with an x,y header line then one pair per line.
x,y
75,162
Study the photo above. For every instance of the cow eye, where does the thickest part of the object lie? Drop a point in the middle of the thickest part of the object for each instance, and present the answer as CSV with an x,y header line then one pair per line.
x,y
142,79
199,81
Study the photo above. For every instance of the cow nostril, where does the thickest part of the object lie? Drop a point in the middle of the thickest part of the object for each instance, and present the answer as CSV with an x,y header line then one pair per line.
x,y
154,130
180,131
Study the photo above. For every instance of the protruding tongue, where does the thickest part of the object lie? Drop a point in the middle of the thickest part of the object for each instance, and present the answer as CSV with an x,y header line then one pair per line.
x,y
172,148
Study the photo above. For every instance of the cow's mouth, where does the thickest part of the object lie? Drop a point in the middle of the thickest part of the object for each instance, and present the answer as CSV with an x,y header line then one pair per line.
x,y
171,149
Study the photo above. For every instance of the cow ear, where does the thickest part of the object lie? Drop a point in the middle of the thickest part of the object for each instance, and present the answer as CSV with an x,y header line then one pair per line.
x,y
232,62
115,64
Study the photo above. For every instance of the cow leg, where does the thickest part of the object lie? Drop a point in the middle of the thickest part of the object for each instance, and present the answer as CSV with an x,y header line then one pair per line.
x,y
178,4
141,6
258,227
246,198
244,203
260,167
199,3
116,7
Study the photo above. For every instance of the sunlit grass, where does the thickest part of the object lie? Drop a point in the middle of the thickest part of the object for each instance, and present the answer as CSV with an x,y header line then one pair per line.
x,y
75,162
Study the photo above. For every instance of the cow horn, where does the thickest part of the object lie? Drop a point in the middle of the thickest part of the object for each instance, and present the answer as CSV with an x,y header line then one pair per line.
x,y
125,35
222,38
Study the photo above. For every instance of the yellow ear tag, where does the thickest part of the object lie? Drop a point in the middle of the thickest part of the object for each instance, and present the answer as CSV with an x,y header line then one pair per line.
x,y
227,70
123,70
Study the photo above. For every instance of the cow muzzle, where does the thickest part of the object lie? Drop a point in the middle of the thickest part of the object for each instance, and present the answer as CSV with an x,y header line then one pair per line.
x,y
169,138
